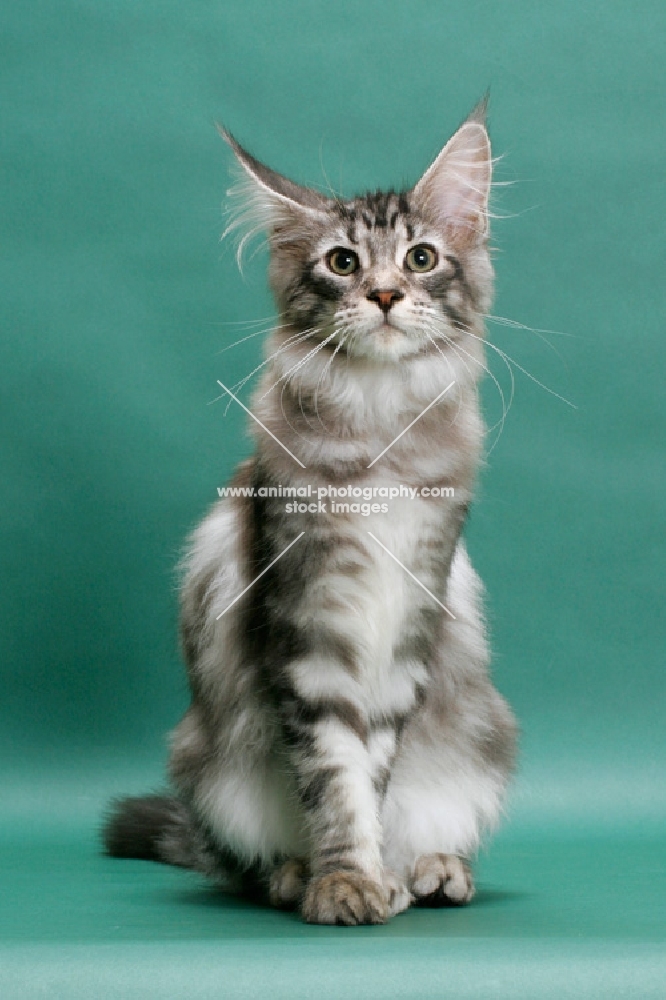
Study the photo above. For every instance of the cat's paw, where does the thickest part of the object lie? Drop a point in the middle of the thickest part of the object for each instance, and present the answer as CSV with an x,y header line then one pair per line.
x,y
345,897
287,884
442,880
399,896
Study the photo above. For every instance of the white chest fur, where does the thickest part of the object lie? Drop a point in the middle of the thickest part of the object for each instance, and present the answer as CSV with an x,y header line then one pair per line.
x,y
373,606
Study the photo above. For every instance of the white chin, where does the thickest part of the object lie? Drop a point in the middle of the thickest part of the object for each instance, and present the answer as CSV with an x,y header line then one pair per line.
x,y
388,342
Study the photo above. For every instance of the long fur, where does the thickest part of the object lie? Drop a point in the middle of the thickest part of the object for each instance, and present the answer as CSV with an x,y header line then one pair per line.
x,y
344,748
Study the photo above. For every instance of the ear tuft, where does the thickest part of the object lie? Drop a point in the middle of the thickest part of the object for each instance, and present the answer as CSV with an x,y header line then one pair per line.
x,y
479,113
454,189
274,185
265,201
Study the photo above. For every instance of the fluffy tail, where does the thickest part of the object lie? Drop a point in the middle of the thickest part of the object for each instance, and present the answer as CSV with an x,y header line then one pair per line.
x,y
151,828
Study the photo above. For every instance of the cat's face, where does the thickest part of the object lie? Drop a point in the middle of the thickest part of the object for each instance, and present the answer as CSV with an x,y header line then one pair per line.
x,y
378,273
384,276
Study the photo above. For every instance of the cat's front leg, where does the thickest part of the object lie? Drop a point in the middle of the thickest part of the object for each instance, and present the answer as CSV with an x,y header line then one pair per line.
x,y
327,739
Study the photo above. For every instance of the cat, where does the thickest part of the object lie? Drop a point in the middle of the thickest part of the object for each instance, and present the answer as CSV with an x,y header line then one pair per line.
x,y
345,750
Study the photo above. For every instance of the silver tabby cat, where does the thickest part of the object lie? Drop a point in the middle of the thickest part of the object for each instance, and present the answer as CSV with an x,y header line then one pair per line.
x,y
345,751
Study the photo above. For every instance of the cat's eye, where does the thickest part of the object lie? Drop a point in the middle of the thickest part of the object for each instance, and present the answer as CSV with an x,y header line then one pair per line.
x,y
342,262
421,258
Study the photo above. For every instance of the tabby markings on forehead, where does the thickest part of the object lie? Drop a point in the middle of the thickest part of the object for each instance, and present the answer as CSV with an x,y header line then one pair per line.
x,y
373,210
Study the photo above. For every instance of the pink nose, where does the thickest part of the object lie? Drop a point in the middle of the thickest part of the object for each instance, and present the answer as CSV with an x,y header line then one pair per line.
x,y
385,297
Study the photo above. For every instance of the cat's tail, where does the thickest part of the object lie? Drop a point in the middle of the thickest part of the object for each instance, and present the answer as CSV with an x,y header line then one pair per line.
x,y
151,828
162,828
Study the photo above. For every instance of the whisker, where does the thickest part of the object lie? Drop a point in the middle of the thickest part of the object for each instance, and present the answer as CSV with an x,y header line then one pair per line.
x,y
257,333
499,424
300,406
451,370
324,373
300,402
282,409
299,364
514,325
507,358
456,346
315,350
289,342
288,379
242,322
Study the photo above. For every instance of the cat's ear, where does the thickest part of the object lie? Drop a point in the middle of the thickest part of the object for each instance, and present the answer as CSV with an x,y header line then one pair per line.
x,y
454,189
280,195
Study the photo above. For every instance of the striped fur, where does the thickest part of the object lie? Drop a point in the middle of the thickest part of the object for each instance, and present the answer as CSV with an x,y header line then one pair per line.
x,y
345,747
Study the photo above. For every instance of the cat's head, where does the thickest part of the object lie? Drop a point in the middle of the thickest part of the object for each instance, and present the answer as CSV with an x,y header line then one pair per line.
x,y
385,273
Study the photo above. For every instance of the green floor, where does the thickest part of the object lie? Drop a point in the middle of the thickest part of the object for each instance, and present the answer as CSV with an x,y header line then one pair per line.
x,y
557,915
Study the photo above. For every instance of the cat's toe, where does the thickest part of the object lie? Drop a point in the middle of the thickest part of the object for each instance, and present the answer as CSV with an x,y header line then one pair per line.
x,y
399,896
287,884
442,880
345,897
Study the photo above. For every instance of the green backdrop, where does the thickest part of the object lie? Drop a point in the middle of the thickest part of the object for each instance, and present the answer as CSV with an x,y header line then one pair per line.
x,y
117,301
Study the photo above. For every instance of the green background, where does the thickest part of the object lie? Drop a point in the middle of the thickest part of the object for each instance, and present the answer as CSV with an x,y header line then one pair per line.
x,y
117,299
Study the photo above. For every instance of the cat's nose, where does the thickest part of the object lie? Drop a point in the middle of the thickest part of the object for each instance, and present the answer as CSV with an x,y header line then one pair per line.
x,y
385,297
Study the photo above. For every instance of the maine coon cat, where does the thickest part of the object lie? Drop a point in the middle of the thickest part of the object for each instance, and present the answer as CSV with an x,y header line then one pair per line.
x,y
345,751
